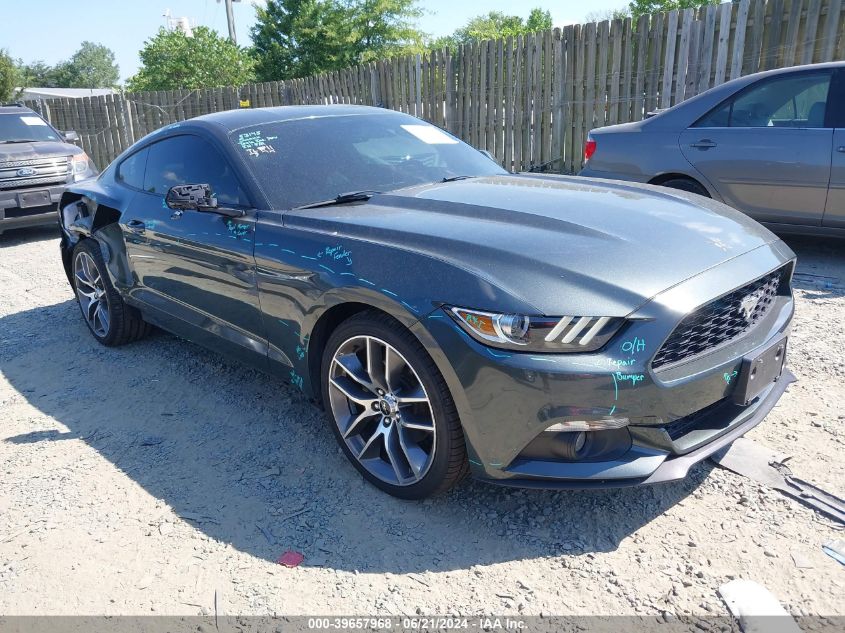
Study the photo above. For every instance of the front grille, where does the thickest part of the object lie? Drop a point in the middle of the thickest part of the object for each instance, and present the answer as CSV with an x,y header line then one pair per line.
x,y
720,321
34,172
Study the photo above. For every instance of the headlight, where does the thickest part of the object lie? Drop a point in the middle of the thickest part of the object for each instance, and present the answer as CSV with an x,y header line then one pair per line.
x,y
79,163
537,333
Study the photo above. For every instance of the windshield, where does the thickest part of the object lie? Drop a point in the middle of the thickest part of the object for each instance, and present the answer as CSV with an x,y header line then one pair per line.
x,y
310,160
25,127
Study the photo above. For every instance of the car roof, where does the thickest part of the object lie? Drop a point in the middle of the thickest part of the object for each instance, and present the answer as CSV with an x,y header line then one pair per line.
x,y
15,108
236,119
689,110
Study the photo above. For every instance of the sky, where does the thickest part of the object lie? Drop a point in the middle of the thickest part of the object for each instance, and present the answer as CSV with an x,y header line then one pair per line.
x,y
51,30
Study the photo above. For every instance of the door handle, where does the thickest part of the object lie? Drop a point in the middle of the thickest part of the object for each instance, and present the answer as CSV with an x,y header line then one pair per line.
x,y
136,226
704,143
841,149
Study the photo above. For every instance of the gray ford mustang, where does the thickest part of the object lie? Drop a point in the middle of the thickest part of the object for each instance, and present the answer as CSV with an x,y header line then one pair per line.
x,y
450,317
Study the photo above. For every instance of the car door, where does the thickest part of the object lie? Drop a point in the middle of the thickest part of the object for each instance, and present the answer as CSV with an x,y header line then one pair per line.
x,y
766,150
834,214
196,268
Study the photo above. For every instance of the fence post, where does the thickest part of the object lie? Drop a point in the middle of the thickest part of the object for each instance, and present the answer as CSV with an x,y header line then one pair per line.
x,y
375,88
128,129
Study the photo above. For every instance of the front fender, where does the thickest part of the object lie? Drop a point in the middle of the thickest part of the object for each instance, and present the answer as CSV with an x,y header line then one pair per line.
x,y
86,215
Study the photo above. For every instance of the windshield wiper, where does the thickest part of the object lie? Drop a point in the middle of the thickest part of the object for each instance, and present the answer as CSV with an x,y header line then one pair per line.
x,y
454,178
20,140
342,198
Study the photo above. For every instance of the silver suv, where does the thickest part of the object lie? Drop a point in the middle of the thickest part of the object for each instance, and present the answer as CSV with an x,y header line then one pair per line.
x,y
36,163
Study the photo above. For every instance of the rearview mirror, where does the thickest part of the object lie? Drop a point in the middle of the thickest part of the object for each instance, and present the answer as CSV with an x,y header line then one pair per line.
x,y
71,136
197,198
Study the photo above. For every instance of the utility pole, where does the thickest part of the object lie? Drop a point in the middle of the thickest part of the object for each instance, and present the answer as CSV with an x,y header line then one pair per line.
x,y
230,18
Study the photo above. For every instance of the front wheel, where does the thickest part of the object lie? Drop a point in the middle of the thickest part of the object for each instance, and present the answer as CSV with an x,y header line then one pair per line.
x,y
110,320
390,408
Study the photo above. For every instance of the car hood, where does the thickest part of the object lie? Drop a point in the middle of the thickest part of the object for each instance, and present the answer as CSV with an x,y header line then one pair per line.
x,y
563,245
37,149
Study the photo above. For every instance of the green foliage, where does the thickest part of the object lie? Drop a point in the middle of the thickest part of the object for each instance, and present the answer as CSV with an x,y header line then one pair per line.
x,y
495,25
8,76
608,14
384,28
171,61
643,7
297,38
37,74
92,66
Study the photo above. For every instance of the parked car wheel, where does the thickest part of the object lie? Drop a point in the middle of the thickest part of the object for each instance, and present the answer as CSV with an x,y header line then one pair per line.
x,y
390,408
686,184
110,320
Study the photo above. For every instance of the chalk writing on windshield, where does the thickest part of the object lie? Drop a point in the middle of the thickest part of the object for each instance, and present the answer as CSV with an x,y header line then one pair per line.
x,y
255,144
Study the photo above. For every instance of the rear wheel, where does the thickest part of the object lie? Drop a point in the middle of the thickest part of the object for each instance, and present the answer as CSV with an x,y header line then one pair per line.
x,y
110,320
390,408
686,184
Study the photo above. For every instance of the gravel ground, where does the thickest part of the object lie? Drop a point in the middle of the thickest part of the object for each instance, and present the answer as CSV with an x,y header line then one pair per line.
x,y
154,477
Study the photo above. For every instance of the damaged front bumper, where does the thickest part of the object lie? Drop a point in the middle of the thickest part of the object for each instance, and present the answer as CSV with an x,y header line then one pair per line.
x,y
644,464
515,406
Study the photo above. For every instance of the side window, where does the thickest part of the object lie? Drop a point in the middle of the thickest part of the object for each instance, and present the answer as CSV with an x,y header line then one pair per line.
x,y
186,160
794,101
131,171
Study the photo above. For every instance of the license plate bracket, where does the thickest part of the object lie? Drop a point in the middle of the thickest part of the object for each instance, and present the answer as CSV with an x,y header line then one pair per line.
x,y
758,371
34,199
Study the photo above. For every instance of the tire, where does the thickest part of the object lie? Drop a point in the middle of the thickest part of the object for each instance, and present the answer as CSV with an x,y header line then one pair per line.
x,y
403,434
686,184
109,319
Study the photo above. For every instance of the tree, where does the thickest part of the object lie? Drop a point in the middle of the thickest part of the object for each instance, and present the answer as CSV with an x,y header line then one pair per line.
x,y
92,66
172,60
608,14
643,7
8,76
38,74
384,28
296,38
495,25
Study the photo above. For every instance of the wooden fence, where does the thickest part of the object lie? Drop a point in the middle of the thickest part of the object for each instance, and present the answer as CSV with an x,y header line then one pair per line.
x,y
529,100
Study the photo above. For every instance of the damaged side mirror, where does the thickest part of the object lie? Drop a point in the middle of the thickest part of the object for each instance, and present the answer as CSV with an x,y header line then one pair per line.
x,y
197,198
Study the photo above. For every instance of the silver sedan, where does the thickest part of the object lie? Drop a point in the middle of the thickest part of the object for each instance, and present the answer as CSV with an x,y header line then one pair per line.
x,y
770,144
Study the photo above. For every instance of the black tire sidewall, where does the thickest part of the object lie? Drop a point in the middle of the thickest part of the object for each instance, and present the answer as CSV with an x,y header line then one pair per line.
x,y
112,298
398,337
689,186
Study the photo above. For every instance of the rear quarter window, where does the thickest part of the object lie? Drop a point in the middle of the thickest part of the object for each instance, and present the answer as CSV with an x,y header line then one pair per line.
x,y
131,170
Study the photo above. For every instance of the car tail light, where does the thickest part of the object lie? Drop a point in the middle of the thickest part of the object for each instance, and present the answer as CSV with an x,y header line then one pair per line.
x,y
589,149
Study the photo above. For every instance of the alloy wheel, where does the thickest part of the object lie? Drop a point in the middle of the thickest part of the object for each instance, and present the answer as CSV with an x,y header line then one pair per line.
x,y
382,410
91,292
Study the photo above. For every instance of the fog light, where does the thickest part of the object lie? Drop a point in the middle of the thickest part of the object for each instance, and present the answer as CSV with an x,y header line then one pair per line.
x,y
588,425
573,446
